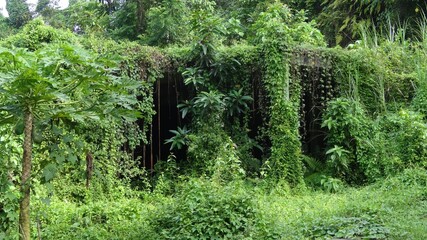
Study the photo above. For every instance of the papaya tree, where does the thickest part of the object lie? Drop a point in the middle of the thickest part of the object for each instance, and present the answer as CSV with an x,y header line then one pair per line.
x,y
58,82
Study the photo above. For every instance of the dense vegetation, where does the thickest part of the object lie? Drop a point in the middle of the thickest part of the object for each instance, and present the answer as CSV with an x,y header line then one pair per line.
x,y
201,119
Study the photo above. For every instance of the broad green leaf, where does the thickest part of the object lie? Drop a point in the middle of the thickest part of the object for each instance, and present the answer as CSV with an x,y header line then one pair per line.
x,y
49,172
72,159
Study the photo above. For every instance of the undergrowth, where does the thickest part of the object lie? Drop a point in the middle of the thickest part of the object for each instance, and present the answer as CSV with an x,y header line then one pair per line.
x,y
394,208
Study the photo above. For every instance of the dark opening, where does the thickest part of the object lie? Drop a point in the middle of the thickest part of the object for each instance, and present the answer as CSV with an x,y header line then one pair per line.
x,y
168,92
317,89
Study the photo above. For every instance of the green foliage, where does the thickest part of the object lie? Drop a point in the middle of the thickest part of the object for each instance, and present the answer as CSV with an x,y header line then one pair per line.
x,y
349,131
123,22
331,185
5,29
180,138
53,15
204,210
368,137
212,152
341,19
10,152
36,34
167,181
31,81
289,29
19,13
406,132
60,84
387,79
166,24
236,103
361,149
352,227
338,159
209,103
212,149
273,35
42,5
88,16
195,77
236,210
119,219
207,30
420,100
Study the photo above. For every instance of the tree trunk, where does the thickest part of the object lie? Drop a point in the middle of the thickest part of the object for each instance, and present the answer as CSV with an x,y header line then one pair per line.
x,y
24,205
140,16
89,168
158,121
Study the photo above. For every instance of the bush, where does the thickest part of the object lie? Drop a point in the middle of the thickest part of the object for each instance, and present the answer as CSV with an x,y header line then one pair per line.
x,y
206,210
361,149
349,131
406,132
36,33
121,219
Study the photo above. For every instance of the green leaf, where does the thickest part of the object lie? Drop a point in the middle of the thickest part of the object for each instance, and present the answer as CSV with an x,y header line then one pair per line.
x,y
49,171
72,159
60,159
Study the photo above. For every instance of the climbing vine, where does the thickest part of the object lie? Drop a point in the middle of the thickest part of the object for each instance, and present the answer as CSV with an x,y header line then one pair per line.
x,y
285,156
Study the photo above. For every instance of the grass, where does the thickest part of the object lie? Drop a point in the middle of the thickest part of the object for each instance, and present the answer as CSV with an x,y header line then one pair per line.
x,y
395,208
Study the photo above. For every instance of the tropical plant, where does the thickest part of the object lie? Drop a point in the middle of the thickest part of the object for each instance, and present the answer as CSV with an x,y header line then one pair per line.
x,y
57,83
207,29
36,34
338,159
195,76
88,17
236,103
349,140
180,138
342,19
207,103
273,31
186,107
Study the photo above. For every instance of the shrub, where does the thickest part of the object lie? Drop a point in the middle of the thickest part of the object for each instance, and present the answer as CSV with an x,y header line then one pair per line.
x,y
349,131
409,133
121,219
206,210
36,33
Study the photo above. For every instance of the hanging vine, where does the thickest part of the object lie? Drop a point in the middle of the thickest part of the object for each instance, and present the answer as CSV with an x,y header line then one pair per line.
x,y
274,36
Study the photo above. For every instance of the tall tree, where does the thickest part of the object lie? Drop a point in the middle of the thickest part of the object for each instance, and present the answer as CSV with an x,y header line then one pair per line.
x,y
42,5
19,13
129,19
57,82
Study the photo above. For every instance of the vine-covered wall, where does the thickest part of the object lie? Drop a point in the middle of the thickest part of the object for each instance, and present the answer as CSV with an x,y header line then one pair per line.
x,y
290,88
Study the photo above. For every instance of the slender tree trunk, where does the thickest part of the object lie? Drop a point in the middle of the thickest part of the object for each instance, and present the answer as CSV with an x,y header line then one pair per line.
x,y
24,205
158,121
89,168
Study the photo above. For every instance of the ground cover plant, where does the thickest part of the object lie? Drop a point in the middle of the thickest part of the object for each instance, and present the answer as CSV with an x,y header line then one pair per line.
x,y
205,210
202,119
